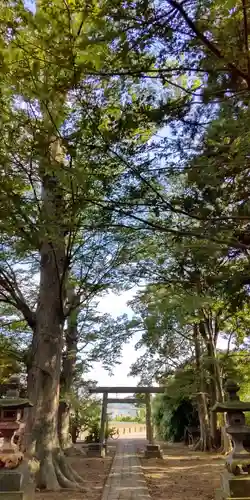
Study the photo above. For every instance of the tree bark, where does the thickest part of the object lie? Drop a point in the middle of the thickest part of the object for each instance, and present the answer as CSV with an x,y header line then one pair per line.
x,y
74,433
213,394
68,370
204,443
47,344
46,365
226,444
65,439
210,337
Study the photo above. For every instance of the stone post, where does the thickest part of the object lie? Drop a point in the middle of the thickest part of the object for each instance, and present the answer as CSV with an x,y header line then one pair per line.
x,y
152,450
99,449
103,417
149,419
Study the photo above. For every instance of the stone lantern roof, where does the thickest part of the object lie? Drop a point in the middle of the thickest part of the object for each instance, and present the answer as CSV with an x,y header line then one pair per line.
x,y
12,399
233,402
14,403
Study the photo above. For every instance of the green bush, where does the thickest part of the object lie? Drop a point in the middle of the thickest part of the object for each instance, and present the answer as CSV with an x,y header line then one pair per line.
x,y
138,418
171,418
94,433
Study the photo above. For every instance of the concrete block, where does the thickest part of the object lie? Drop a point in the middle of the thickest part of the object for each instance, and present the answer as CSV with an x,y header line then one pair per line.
x,y
12,495
220,495
153,451
96,450
16,484
235,486
15,495
11,480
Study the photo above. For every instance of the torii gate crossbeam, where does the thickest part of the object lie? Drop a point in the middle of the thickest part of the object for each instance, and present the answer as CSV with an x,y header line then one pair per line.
x,y
131,401
127,390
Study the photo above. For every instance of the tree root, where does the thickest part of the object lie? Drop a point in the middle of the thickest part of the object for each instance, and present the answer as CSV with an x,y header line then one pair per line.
x,y
47,477
226,444
55,474
201,445
73,451
223,450
198,445
64,482
67,470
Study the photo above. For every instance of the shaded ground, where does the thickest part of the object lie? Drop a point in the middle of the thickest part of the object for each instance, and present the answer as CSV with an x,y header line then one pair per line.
x,y
93,470
183,474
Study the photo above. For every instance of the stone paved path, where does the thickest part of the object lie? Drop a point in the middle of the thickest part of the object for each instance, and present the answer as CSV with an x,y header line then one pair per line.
x,y
126,480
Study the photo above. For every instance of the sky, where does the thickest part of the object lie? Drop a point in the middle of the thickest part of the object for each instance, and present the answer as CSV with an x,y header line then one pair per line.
x,y
117,305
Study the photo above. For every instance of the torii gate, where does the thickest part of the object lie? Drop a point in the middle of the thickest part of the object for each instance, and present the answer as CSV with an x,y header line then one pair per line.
x,y
152,449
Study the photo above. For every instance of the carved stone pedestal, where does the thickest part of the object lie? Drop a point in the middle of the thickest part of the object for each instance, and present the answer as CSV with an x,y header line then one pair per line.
x,y
96,450
17,484
153,451
234,487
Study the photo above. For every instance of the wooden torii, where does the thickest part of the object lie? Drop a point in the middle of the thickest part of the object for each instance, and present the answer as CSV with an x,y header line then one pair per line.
x,y
147,390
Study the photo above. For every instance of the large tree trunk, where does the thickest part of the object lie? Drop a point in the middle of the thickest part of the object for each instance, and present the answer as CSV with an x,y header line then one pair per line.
x,y
213,393
226,445
65,439
44,375
205,442
74,432
209,333
68,371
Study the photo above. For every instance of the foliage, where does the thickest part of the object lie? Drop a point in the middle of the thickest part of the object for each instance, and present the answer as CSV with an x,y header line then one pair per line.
x,y
139,417
172,419
85,414
94,433
176,409
9,359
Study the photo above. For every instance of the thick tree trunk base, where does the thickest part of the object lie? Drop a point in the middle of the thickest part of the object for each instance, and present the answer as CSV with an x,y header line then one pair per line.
x,y
226,444
202,445
56,474
73,451
65,440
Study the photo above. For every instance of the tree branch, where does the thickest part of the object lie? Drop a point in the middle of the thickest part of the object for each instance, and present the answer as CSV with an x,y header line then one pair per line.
x,y
244,8
210,45
15,297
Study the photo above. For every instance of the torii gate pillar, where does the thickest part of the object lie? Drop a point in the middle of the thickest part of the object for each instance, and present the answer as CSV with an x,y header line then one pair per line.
x,y
103,418
99,449
149,426
152,450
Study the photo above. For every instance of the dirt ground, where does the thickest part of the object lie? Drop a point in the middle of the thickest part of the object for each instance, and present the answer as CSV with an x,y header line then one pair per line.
x,y
183,474
93,470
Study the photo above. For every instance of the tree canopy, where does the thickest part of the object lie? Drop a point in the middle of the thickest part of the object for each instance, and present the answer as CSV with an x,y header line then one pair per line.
x,y
124,161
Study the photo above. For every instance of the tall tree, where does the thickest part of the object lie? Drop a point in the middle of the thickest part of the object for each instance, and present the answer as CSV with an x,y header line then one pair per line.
x,y
183,313
63,133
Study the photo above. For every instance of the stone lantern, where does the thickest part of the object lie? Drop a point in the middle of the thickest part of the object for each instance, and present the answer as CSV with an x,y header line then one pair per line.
x,y
11,415
235,483
15,478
